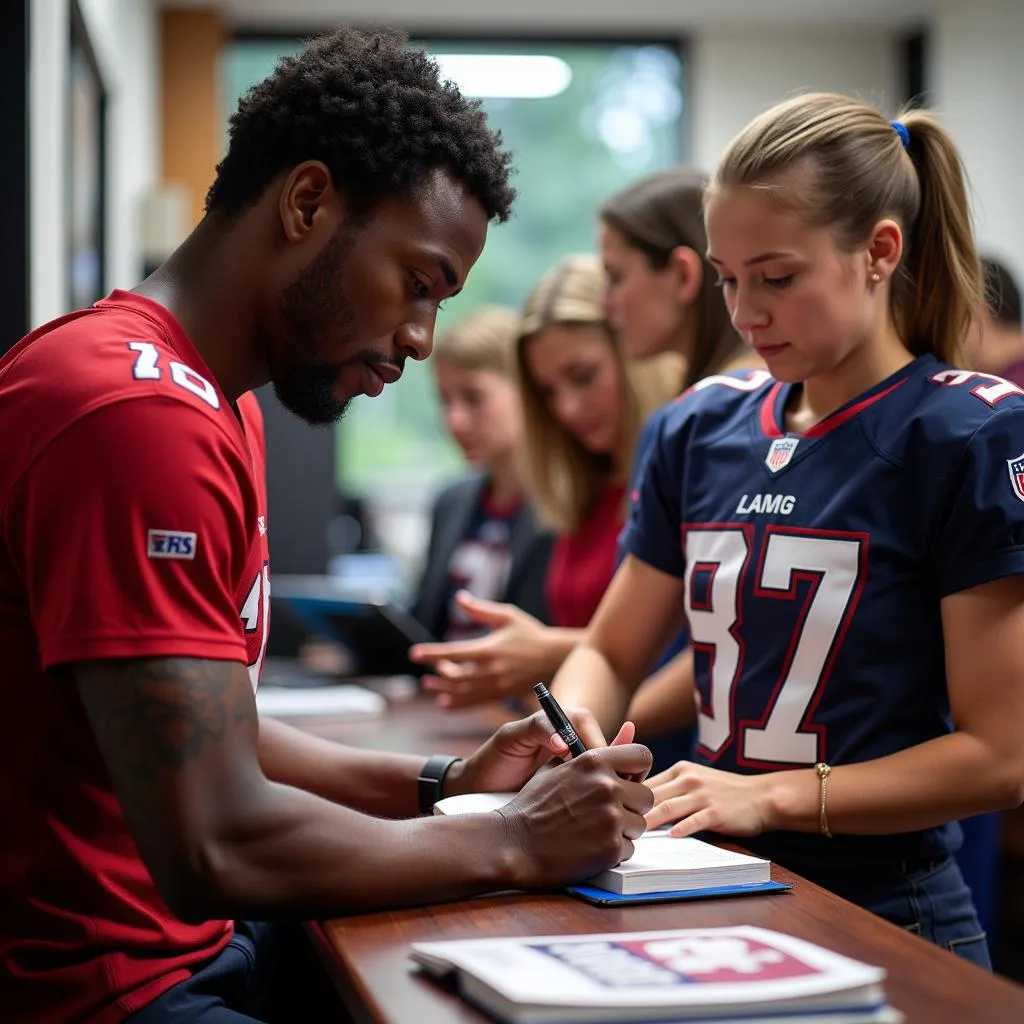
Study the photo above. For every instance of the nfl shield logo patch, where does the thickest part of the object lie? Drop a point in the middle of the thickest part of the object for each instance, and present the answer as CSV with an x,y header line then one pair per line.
x,y
1016,468
781,451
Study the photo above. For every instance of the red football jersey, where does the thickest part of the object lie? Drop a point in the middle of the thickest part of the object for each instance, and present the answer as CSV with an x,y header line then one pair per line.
x,y
132,525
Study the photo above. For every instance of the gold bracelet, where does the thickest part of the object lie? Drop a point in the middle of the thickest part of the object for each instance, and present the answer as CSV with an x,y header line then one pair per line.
x,y
823,771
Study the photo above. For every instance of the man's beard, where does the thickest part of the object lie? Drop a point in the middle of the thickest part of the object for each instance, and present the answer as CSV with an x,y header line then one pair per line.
x,y
312,306
307,392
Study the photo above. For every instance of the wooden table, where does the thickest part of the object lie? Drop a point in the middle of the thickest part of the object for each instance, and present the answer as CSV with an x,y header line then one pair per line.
x,y
413,725
367,954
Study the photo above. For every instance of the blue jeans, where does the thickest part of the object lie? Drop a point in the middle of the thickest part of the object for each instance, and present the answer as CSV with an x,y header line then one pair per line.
x,y
979,860
928,898
266,974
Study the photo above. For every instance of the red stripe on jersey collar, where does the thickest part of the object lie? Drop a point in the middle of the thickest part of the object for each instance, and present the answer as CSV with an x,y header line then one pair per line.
x,y
839,417
770,423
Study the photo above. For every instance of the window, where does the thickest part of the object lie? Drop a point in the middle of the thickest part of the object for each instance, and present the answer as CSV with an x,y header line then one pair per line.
x,y
583,119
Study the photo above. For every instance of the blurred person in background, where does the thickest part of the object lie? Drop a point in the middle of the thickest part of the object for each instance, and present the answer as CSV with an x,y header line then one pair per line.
x,y
662,295
484,539
583,404
995,343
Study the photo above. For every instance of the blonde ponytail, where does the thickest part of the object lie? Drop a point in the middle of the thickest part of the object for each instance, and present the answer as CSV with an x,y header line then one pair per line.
x,y
941,289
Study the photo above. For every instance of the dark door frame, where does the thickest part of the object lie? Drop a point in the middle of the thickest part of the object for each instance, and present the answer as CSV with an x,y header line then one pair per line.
x,y
14,171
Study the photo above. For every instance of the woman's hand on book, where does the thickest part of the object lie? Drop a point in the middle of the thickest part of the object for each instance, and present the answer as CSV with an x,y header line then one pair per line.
x,y
698,798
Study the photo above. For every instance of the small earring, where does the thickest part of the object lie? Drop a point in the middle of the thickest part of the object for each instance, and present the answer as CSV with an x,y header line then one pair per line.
x,y
876,277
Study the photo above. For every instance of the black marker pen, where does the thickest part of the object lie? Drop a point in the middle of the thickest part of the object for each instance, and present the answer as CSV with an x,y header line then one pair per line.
x,y
557,717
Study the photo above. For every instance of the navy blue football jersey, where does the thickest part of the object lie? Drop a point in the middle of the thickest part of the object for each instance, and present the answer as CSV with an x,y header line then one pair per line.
x,y
814,566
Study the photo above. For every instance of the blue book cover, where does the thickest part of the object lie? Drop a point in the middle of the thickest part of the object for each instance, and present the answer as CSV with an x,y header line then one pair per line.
x,y
603,897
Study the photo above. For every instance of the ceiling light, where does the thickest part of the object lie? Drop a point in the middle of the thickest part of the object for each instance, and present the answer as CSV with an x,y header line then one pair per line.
x,y
507,76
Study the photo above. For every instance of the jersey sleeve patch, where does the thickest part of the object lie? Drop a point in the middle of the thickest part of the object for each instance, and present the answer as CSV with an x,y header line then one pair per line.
x,y
1016,468
171,544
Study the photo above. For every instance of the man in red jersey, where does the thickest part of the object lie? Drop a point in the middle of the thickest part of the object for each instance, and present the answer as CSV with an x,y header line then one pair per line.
x,y
154,826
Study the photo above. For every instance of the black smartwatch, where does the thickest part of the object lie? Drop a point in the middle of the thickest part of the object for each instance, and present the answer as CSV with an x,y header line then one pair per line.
x,y
431,779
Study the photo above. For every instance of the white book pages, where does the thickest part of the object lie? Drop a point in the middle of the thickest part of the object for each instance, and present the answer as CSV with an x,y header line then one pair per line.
x,y
661,863
472,803
342,700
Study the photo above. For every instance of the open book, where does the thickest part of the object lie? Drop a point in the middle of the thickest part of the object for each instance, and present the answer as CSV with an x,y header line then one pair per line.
x,y
738,974
659,862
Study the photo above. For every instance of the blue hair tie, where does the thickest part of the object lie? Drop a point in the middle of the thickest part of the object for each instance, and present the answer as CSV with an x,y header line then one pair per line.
x,y
902,132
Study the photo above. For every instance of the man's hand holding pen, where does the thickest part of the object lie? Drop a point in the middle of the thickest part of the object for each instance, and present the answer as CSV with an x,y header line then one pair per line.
x,y
571,820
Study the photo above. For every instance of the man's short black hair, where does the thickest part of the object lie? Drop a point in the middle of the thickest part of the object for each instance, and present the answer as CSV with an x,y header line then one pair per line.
x,y
375,112
1001,293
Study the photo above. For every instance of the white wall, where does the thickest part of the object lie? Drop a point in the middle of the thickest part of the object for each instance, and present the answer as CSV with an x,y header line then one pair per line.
x,y
976,73
124,36
977,76
736,73
49,29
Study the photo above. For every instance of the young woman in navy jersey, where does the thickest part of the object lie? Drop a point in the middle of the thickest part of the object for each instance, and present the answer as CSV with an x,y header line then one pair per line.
x,y
845,530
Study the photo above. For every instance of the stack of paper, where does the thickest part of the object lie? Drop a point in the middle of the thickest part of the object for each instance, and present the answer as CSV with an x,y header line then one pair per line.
x,y
661,863
721,974
342,700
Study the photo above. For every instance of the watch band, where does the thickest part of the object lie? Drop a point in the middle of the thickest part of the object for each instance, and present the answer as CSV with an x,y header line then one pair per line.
x,y
431,780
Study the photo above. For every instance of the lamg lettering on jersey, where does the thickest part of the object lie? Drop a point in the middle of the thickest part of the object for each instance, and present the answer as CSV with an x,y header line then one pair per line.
x,y
780,452
768,504
171,544
1016,468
